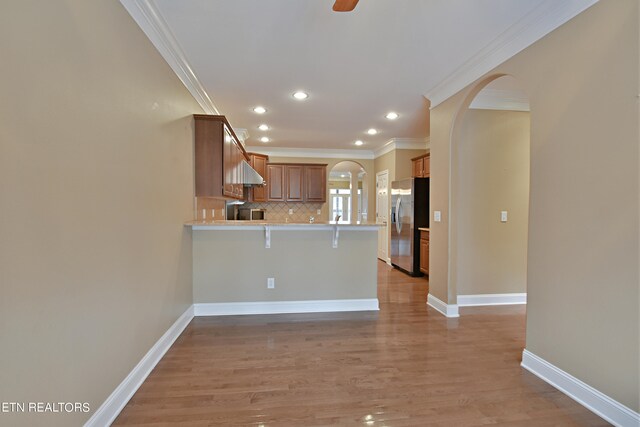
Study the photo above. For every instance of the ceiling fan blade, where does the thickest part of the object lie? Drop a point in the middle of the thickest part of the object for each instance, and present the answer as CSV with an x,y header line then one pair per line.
x,y
345,5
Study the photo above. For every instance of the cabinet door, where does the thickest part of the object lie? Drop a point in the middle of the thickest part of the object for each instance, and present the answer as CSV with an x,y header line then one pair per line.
x,y
418,165
238,187
275,183
424,256
426,167
259,193
228,150
315,183
294,179
209,170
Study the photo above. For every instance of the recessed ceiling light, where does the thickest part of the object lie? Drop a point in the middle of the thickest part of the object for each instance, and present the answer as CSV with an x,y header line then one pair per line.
x,y
391,115
263,127
300,95
372,131
358,142
264,139
259,110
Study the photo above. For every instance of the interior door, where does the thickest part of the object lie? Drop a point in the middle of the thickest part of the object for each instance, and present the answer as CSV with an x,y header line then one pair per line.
x,y
382,214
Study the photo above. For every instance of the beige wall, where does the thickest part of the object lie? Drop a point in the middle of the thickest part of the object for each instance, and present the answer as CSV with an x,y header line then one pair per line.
x,y
96,153
493,176
304,265
370,178
404,166
582,280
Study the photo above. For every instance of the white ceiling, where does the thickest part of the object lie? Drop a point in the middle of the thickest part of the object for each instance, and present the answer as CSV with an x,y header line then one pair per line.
x,y
355,66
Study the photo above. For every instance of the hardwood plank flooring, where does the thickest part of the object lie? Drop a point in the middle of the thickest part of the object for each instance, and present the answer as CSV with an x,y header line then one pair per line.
x,y
405,365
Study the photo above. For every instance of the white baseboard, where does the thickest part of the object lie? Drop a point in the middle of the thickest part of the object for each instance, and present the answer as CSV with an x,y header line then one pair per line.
x,y
449,310
109,410
491,299
279,307
592,399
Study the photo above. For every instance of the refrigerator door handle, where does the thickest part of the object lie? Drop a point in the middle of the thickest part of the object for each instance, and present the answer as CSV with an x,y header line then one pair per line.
x,y
399,216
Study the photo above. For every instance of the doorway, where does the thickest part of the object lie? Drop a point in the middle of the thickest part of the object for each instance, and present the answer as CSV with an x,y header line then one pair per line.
x,y
382,214
491,157
348,192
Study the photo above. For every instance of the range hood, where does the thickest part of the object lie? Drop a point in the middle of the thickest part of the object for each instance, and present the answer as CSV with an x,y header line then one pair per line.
x,y
250,176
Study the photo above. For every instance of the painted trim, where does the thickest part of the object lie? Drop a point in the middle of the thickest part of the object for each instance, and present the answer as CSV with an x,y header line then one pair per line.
x,y
281,307
540,21
325,153
153,24
498,99
592,399
491,299
110,408
449,310
402,144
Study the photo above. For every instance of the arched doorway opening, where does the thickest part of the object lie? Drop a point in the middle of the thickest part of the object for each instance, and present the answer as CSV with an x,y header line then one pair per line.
x,y
348,192
490,160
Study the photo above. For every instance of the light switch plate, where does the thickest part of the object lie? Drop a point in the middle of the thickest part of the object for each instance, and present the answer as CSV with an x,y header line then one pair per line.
x,y
437,216
503,216
271,283
290,211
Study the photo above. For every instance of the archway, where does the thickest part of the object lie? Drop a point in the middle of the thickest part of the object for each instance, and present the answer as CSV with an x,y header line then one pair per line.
x,y
348,192
489,204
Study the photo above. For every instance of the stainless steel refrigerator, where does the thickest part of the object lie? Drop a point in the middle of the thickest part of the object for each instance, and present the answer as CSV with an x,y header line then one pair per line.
x,y
409,211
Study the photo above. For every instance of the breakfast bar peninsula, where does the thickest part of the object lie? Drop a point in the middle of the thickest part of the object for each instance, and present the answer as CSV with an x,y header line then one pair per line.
x,y
242,267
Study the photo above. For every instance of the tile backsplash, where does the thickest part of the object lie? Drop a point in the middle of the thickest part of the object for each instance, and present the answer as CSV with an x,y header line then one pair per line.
x,y
278,211
207,208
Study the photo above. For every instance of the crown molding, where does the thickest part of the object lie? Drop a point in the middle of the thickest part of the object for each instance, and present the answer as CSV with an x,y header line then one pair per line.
x,y
540,21
500,99
153,24
402,144
326,153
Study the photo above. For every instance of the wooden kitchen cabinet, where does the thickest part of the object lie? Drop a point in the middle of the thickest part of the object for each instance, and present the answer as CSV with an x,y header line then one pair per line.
x,y
421,166
316,183
275,183
296,182
294,178
424,251
258,193
218,158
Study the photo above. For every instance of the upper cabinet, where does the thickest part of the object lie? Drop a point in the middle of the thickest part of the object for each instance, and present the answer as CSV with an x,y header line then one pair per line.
x,y
296,182
421,166
294,177
258,193
275,183
218,158
316,183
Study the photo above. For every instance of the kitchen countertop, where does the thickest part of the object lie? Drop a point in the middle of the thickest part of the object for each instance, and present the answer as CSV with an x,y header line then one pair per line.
x,y
423,229
221,225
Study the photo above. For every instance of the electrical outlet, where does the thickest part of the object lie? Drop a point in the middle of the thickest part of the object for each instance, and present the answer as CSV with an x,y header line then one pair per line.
x,y
318,212
290,211
271,283
503,216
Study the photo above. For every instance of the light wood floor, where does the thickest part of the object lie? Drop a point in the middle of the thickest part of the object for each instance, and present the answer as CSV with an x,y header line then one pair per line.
x,y
405,365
